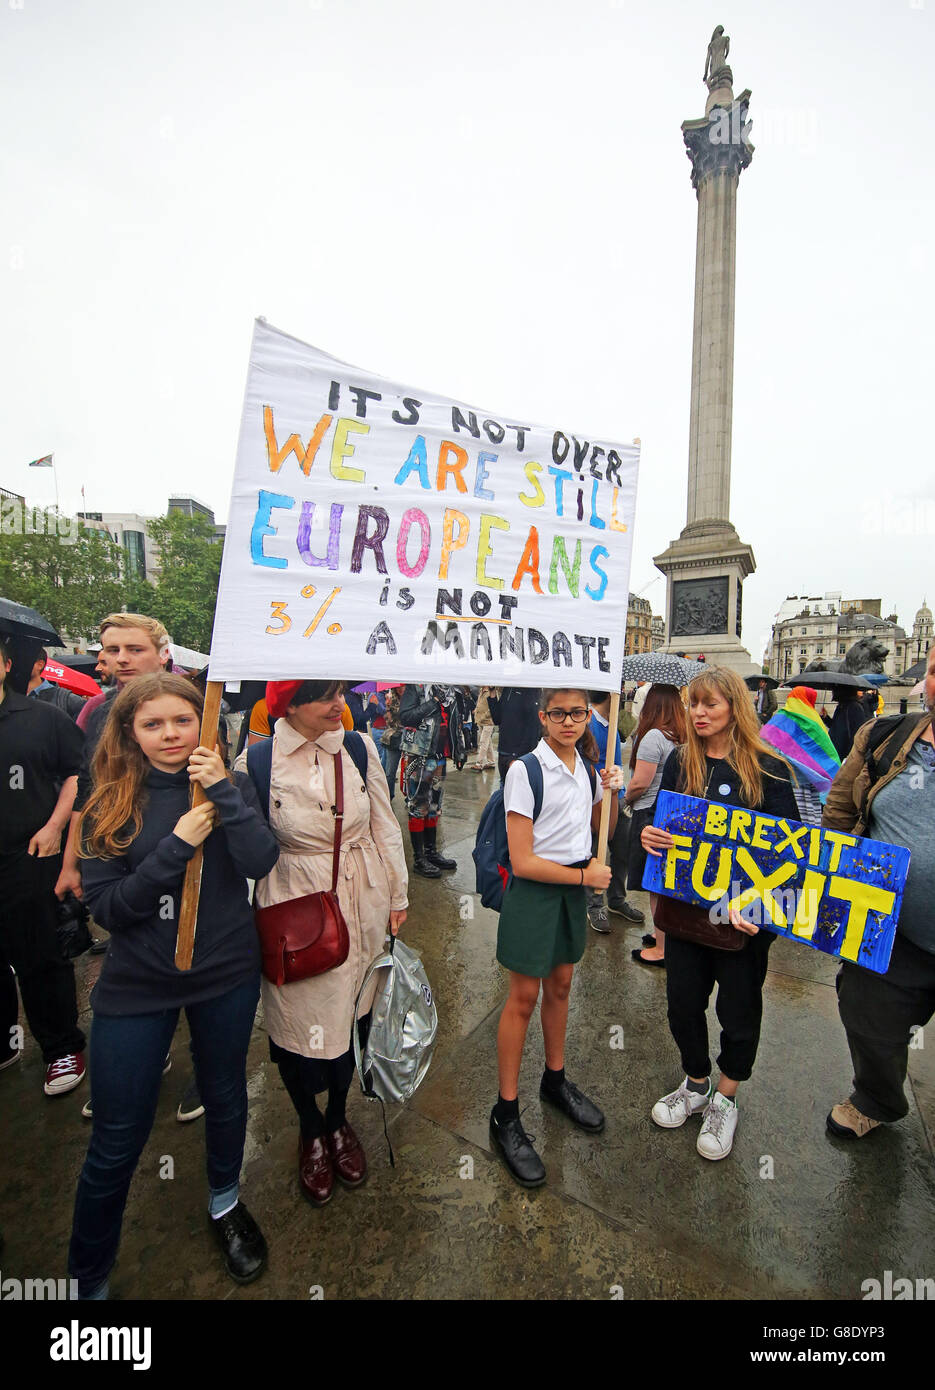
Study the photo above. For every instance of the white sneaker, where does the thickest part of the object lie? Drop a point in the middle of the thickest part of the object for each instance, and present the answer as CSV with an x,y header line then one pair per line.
x,y
717,1133
674,1109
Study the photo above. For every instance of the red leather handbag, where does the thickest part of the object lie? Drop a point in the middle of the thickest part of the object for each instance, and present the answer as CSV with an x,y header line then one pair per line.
x,y
307,936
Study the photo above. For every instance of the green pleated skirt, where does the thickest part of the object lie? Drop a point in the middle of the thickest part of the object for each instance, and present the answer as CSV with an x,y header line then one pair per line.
x,y
541,925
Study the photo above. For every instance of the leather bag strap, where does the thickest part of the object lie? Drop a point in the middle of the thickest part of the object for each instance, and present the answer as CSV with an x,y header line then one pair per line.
x,y
338,809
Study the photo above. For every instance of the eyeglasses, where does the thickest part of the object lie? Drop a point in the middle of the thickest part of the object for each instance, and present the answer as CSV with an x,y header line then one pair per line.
x,y
558,716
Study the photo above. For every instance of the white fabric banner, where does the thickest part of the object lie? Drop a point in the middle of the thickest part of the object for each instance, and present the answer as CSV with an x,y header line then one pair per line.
x,y
378,532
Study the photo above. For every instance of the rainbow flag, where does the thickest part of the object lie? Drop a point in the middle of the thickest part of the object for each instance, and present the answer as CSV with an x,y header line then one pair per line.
x,y
797,732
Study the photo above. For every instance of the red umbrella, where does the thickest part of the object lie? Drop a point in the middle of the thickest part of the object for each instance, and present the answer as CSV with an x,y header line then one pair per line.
x,y
68,679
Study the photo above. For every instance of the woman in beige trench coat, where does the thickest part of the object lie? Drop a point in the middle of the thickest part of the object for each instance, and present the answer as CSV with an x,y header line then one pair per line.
x,y
310,1022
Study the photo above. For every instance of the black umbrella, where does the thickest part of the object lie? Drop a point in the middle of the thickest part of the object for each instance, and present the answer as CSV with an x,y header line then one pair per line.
x,y
80,661
16,620
753,682
826,680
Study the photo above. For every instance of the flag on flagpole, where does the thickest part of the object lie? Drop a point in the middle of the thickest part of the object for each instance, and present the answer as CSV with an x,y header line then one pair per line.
x,y
45,462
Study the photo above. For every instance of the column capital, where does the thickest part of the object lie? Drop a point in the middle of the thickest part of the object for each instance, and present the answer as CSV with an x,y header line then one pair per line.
x,y
719,142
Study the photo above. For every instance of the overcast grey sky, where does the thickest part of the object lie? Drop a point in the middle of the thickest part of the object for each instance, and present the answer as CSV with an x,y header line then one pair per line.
x,y
491,201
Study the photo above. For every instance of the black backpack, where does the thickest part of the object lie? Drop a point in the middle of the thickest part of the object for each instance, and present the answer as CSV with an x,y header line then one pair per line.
x,y
491,853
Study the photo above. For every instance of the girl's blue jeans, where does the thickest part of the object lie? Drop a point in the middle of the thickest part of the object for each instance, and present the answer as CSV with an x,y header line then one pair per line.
x,y
127,1055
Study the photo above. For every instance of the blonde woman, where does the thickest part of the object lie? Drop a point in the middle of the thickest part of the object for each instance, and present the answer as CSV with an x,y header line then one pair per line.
x,y
723,759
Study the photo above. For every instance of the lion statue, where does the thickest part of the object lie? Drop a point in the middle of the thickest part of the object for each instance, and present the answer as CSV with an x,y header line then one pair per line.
x,y
867,654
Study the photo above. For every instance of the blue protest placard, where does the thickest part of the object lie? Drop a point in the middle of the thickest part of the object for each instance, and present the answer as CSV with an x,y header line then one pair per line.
x,y
838,893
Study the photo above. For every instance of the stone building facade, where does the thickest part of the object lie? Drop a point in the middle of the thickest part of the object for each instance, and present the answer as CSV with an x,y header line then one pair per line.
x,y
639,637
809,628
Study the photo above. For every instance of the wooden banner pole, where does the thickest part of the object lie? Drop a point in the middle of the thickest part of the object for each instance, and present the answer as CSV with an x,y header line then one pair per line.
x,y
613,715
191,891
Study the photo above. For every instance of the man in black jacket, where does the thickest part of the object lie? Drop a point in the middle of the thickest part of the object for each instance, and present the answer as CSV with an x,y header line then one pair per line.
x,y
850,713
516,714
438,712
49,693
40,753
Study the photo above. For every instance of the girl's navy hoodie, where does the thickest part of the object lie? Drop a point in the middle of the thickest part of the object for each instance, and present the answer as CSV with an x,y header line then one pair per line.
x,y
136,898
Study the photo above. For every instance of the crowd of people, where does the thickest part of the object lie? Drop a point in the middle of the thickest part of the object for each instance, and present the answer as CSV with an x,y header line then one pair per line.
x,y
95,806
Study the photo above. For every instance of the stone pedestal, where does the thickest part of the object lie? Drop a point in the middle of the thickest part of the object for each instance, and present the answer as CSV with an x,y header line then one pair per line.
x,y
705,569
706,566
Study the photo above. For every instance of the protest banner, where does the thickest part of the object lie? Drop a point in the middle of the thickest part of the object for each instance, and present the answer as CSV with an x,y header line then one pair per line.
x,y
379,530
838,893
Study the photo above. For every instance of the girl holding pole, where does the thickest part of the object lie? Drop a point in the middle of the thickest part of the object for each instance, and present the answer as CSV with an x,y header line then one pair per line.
x,y
137,835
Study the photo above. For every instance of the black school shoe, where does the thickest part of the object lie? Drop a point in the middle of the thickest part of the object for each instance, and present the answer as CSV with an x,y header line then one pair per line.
x,y
242,1242
581,1111
513,1144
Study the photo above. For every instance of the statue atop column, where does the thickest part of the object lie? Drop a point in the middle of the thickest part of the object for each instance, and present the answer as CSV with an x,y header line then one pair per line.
x,y
706,566
716,72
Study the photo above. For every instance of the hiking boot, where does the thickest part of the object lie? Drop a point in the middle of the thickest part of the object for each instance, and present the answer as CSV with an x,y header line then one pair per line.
x,y
847,1122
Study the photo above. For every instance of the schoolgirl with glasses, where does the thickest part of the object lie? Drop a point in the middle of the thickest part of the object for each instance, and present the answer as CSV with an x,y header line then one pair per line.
x,y
543,921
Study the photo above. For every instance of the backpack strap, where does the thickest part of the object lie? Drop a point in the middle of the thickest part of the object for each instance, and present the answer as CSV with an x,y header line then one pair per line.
x,y
534,772
889,735
260,764
260,768
357,750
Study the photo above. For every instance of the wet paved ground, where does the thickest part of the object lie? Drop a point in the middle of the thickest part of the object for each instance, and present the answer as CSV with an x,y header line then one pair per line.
x,y
790,1214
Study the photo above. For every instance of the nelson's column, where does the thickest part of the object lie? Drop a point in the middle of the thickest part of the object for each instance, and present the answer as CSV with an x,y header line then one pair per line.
x,y
705,568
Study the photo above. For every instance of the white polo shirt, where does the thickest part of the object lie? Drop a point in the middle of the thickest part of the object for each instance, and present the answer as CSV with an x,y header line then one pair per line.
x,y
562,830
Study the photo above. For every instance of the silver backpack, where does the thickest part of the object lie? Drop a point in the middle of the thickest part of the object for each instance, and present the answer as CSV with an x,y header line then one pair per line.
x,y
403,1027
